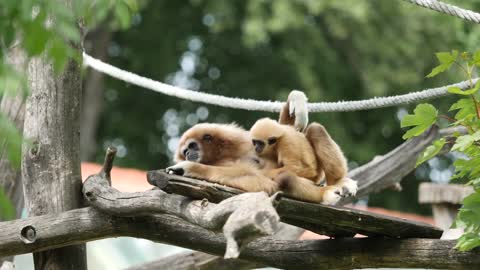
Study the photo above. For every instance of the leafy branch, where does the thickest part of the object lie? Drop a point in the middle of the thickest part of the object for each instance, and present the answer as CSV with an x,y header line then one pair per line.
x,y
467,114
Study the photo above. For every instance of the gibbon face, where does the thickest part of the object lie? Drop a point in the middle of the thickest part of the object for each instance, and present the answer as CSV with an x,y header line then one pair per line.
x,y
213,143
264,148
265,134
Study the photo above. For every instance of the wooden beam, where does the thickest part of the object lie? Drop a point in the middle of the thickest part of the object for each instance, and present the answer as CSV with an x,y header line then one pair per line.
x,y
77,226
433,193
328,220
242,218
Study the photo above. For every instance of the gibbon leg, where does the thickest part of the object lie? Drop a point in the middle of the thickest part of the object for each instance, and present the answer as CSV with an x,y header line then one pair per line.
x,y
304,189
239,176
329,155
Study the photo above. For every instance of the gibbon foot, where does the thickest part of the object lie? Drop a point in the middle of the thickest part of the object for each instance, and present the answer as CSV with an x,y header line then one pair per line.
x,y
332,195
349,187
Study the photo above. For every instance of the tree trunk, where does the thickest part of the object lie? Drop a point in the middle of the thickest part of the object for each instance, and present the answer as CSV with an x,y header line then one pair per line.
x,y
51,162
97,44
12,107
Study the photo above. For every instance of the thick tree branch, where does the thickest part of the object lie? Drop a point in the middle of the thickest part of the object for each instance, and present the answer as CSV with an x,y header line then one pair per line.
x,y
242,218
80,225
196,260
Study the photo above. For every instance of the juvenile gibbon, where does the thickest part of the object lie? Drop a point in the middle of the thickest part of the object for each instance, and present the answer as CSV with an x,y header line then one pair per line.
x,y
224,154
286,146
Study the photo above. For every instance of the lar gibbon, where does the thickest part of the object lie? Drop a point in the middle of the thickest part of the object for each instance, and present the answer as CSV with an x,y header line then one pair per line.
x,y
224,154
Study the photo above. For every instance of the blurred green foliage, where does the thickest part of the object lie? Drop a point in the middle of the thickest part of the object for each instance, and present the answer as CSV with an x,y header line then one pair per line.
x,y
50,28
467,166
332,50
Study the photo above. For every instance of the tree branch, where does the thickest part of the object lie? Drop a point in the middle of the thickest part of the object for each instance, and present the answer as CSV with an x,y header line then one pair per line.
x,y
242,218
86,224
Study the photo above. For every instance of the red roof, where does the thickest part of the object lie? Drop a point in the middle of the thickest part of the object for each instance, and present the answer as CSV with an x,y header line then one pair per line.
x,y
133,180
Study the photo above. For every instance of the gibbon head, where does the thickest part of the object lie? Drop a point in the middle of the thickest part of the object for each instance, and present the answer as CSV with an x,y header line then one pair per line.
x,y
265,134
212,143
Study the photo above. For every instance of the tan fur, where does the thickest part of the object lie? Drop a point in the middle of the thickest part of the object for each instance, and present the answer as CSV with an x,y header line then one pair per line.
x,y
291,150
228,158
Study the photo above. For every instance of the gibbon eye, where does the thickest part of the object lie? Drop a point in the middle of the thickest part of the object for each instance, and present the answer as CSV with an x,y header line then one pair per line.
x,y
207,137
258,142
272,140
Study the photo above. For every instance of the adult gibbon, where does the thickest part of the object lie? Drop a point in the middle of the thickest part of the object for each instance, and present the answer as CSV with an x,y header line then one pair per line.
x,y
224,154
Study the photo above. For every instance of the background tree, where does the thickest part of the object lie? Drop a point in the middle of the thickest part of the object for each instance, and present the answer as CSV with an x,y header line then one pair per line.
x,y
332,50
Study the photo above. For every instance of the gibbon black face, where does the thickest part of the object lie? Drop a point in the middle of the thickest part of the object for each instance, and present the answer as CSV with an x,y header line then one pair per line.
x,y
259,145
192,151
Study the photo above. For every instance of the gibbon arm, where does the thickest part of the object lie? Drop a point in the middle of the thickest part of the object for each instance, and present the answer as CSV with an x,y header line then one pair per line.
x,y
241,176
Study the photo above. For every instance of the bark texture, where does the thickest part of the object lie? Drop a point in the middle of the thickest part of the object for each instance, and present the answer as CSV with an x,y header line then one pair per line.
x,y
242,218
86,224
51,162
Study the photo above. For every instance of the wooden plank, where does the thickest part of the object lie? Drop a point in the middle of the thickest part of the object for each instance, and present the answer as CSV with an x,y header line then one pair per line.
x,y
328,220
434,193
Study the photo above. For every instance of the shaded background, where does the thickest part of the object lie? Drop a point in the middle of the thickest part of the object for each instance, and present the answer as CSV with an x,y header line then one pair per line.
x,y
331,50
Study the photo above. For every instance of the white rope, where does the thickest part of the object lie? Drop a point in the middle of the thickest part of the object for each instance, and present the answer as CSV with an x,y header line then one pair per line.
x,y
448,9
259,105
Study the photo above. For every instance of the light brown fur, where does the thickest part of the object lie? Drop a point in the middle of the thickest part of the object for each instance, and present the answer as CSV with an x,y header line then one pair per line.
x,y
225,154
285,146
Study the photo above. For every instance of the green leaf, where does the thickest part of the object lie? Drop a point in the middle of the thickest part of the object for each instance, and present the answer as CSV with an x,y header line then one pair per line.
x,y
438,69
422,118
59,52
466,108
7,211
457,90
467,242
122,13
13,138
35,35
431,151
8,34
446,60
446,57
476,58
465,141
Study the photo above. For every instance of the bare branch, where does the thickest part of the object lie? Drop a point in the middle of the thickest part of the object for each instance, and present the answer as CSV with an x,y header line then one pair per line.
x,y
243,218
196,260
86,224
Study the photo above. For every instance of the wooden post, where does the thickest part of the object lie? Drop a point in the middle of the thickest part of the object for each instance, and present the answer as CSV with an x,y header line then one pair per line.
x,y
50,163
445,200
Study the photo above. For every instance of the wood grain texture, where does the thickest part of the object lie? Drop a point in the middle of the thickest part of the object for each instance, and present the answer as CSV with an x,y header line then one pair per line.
x,y
50,156
86,224
241,218
434,193
328,220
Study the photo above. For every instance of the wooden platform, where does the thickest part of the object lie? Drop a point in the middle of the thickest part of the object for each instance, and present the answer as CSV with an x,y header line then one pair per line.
x,y
334,221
